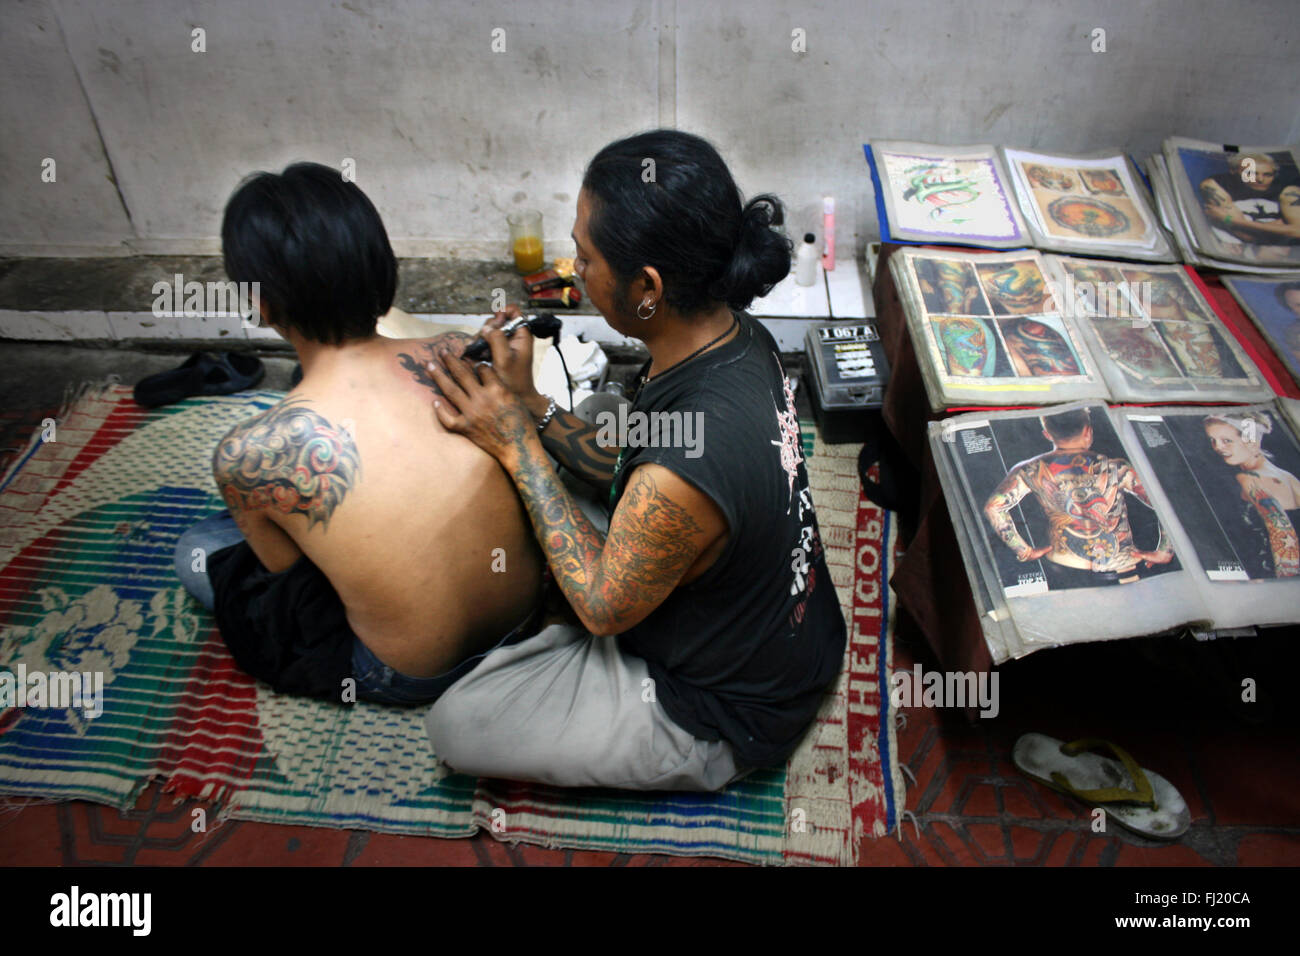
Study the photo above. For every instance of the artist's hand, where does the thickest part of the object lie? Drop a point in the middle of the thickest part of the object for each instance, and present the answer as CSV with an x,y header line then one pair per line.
x,y
513,357
1153,557
476,403
1033,554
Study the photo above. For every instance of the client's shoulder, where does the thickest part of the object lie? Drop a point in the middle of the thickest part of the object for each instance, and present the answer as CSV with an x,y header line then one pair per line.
x,y
291,456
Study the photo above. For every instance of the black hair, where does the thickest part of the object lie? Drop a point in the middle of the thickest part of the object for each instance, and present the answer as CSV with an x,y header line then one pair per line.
x,y
1282,289
317,248
1065,425
684,216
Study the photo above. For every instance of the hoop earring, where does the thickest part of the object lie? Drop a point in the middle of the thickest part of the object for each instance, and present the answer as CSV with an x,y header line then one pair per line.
x,y
646,318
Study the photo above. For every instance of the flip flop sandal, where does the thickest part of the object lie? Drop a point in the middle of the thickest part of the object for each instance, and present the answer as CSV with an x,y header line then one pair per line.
x,y
1138,800
201,374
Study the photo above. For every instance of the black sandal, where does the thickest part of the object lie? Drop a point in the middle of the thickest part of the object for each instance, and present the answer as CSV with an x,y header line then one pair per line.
x,y
201,374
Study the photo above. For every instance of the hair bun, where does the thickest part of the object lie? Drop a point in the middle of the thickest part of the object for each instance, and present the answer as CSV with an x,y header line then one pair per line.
x,y
761,257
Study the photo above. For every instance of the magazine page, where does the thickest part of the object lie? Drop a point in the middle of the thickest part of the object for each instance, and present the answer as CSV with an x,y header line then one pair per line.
x,y
988,330
945,194
1078,549
1091,204
1229,474
1154,335
986,591
1240,204
1274,306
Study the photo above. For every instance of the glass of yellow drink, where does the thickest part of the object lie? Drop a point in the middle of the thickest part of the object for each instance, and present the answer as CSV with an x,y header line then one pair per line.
x,y
526,240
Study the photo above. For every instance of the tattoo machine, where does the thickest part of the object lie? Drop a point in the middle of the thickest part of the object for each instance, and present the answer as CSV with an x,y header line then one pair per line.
x,y
544,325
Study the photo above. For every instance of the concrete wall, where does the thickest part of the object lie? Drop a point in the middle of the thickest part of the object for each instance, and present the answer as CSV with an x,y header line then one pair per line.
x,y
150,137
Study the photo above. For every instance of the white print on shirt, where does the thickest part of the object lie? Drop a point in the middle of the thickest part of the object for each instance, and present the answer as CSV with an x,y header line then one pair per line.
x,y
801,553
790,445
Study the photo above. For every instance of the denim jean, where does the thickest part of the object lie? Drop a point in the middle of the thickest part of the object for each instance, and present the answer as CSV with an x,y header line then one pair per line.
x,y
378,682
210,536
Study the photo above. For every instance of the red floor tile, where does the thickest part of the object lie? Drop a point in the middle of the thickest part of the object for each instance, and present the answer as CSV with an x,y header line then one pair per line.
x,y
261,845
1268,849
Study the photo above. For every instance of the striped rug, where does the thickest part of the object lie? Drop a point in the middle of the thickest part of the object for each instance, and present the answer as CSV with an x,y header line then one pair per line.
x,y
88,522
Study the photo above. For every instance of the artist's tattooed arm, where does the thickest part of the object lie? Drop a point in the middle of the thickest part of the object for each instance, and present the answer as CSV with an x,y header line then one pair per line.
x,y
287,461
1130,482
660,528
998,510
424,351
1282,537
574,444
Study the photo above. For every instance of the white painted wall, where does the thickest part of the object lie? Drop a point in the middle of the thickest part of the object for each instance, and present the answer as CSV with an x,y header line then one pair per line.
x,y
448,136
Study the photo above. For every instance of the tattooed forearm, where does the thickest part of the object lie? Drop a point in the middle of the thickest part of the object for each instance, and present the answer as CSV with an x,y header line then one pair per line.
x,y
289,459
1282,537
1213,195
570,541
612,583
573,442
416,361
998,510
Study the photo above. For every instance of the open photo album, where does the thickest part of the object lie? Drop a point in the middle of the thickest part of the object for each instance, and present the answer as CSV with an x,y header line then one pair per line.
x,y
999,197
1085,522
1021,328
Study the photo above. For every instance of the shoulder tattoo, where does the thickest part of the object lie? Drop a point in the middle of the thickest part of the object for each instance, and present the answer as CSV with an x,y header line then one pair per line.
x,y
290,459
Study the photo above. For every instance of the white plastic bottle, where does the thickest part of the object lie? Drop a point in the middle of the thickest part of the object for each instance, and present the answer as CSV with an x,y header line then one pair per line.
x,y
806,260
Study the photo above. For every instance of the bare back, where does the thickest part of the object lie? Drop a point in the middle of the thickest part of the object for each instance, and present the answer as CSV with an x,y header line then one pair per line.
x,y
421,533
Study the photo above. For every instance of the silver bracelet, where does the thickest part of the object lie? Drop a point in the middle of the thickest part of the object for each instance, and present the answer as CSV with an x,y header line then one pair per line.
x,y
546,419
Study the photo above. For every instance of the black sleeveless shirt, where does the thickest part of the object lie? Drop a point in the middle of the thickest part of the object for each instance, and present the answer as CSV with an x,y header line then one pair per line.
x,y
745,652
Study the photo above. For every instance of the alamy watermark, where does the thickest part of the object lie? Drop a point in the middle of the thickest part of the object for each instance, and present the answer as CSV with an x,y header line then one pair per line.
x,y
179,299
636,429
76,908
1112,300
920,688
59,690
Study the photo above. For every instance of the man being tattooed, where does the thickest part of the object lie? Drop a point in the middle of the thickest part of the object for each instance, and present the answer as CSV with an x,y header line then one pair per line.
x,y
710,626
1082,494
363,557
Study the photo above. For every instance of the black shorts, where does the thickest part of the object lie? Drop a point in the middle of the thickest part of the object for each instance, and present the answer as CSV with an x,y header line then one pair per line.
x,y
288,629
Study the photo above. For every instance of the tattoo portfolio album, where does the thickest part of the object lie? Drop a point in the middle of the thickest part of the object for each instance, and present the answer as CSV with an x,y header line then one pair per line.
x,y
1230,207
1023,328
1089,203
1086,522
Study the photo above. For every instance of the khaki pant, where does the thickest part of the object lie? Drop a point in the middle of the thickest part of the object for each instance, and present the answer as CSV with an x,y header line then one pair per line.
x,y
569,709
